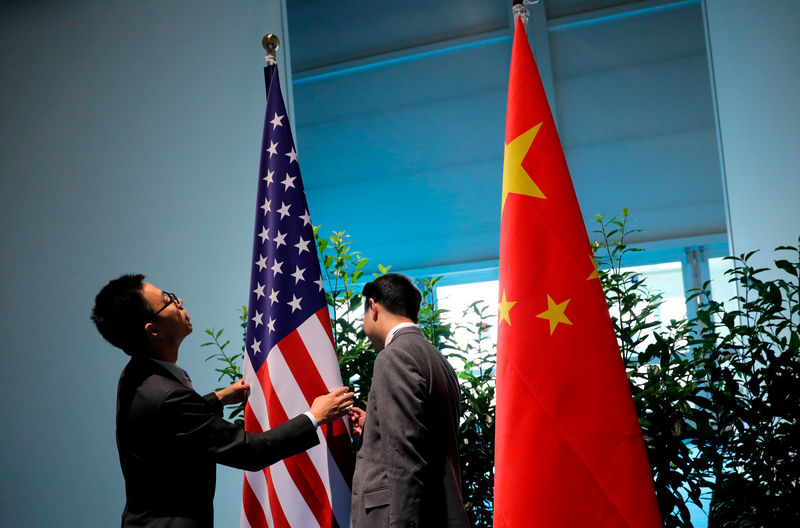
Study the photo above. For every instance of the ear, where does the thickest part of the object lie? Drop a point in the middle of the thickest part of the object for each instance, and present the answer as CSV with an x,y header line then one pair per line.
x,y
151,330
375,309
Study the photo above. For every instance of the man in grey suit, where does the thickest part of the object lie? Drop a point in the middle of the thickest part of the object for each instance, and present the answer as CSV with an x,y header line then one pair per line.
x,y
407,470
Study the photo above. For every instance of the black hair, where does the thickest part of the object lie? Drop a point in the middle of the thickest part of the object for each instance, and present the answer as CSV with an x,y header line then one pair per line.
x,y
120,313
396,293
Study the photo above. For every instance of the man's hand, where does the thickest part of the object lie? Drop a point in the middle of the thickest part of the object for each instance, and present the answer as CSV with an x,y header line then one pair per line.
x,y
356,417
332,406
236,393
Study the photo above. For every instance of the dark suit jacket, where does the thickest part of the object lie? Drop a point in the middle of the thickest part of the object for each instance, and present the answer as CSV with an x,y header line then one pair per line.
x,y
407,470
170,439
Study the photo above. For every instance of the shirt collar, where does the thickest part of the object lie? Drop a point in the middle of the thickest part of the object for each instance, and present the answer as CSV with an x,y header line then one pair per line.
x,y
394,331
176,371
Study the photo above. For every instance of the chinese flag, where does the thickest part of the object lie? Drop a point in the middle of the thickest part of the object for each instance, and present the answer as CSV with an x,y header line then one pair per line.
x,y
569,450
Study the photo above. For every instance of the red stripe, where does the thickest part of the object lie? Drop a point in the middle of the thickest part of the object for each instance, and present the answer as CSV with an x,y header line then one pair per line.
x,y
312,385
300,467
325,318
302,366
251,424
252,508
279,519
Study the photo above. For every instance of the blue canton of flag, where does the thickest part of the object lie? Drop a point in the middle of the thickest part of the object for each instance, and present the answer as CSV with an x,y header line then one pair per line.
x,y
285,282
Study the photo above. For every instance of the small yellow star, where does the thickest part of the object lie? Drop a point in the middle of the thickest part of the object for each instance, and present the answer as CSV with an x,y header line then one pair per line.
x,y
504,307
595,274
555,313
515,178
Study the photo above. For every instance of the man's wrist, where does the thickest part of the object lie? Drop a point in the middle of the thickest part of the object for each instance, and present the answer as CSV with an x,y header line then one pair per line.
x,y
312,418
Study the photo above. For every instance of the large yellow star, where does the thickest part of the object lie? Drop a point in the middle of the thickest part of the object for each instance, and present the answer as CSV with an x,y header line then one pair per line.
x,y
555,313
504,307
515,178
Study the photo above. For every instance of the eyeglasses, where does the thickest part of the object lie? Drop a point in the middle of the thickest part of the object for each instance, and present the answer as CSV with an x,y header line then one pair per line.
x,y
172,299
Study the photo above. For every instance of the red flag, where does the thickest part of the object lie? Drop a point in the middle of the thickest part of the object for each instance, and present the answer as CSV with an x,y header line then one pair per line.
x,y
569,449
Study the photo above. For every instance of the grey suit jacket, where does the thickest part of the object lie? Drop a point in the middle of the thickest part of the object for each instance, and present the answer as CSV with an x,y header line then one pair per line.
x,y
407,469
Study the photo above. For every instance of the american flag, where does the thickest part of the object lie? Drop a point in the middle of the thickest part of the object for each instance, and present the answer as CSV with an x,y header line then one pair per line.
x,y
290,356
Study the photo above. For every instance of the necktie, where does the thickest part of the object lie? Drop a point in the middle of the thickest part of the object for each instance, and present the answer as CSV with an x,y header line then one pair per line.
x,y
187,380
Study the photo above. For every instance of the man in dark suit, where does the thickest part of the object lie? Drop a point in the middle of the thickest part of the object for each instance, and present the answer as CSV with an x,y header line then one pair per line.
x,y
407,470
169,437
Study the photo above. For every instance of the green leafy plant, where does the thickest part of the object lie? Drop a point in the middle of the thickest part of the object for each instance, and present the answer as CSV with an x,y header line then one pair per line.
x,y
230,368
718,397
660,368
748,362
342,269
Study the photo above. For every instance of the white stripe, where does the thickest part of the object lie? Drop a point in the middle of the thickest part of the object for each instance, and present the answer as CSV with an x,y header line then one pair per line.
x,y
319,346
285,385
257,401
290,392
258,483
243,520
294,505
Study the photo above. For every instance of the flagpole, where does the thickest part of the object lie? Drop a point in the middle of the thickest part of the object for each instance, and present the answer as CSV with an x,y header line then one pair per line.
x,y
271,43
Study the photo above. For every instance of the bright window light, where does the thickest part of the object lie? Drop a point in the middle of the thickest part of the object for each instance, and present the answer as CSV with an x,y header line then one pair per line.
x,y
665,278
457,298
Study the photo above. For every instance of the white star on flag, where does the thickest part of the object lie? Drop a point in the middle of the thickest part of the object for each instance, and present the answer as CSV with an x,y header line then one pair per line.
x,y
280,240
264,234
273,148
292,155
295,303
261,263
276,121
256,346
273,297
284,210
306,218
265,207
302,245
287,182
268,177
257,318
298,274
259,291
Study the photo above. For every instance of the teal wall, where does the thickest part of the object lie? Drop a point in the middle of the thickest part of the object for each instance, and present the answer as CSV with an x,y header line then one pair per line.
x,y
130,143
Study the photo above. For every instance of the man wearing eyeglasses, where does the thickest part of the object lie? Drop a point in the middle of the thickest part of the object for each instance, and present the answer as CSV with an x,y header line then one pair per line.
x,y
169,437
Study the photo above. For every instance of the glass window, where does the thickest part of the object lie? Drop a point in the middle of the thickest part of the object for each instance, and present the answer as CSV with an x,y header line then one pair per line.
x,y
456,299
665,278
722,290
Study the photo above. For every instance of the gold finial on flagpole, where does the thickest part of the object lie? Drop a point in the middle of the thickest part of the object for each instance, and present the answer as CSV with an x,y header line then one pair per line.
x,y
271,44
